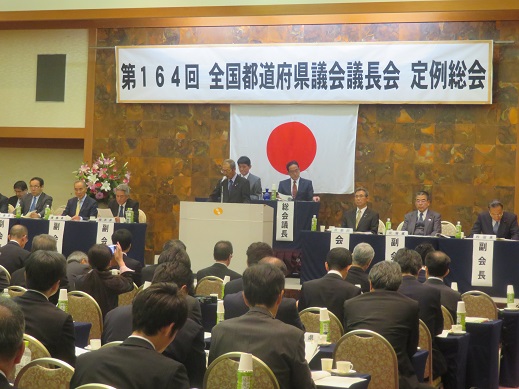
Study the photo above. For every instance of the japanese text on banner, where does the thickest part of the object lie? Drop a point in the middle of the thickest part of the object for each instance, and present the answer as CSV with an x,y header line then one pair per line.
x,y
285,221
482,262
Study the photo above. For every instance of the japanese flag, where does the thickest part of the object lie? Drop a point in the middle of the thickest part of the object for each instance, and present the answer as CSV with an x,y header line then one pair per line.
x,y
321,138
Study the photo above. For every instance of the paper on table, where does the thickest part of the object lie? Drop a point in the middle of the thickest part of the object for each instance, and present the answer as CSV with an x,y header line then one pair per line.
x,y
338,382
443,334
318,374
311,350
80,351
284,197
475,319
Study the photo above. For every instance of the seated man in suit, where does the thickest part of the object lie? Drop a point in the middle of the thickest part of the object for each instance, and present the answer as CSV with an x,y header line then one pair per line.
x,y
33,204
423,249
362,255
81,207
20,190
149,270
423,221
158,313
497,222
396,320
437,267
43,320
3,204
222,255
187,347
77,265
299,188
330,291
244,166
12,326
122,202
13,254
233,187
280,346
124,238
361,218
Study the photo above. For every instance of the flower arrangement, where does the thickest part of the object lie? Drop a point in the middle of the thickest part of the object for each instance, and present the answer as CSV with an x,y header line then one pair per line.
x,y
103,177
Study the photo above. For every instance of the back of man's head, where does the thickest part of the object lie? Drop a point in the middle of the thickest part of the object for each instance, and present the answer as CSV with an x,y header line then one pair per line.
x,y
18,231
175,254
157,307
222,250
43,269
423,249
409,261
77,256
275,262
262,284
385,275
437,263
175,271
123,237
338,258
44,242
258,250
12,327
99,256
174,243
363,254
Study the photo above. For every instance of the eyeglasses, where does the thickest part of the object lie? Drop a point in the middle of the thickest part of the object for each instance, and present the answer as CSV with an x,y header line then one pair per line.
x,y
359,196
293,171
34,186
496,214
421,201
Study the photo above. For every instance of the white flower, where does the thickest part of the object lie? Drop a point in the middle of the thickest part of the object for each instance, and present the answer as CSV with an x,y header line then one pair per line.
x,y
92,178
105,186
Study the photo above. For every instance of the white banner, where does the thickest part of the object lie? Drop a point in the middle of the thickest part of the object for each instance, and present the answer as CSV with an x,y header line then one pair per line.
x,y
340,239
104,232
56,229
285,221
395,240
4,231
333,73
482,261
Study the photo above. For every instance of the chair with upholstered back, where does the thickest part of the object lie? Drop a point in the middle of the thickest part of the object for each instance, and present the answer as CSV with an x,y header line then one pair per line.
x,y
310,318
399,228
425,343
448,320
381,227
45,373
7,274
127,298
82,307
112,344
448,228
38,350
209,285
142,216
370,353
479,304
95,386
222,373
15,290
59,211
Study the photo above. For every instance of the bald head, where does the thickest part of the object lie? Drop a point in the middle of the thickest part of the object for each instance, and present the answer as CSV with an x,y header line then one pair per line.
x,y
276,262
20,234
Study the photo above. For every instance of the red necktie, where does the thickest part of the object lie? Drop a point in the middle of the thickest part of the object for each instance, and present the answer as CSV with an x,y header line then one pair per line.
x,y
294,190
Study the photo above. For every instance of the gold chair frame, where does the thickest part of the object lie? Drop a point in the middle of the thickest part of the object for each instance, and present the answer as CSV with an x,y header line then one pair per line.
x,y
310,319
448,320
79,298
44,365
475,297
209,285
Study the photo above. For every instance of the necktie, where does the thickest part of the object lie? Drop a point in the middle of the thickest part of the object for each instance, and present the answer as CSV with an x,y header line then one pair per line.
x,y
294,190
357,219
78,207
121,211
495,228
33,204
421,217
230,185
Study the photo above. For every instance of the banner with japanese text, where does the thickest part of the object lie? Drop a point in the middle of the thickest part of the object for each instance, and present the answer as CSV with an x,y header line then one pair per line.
x,y
445,72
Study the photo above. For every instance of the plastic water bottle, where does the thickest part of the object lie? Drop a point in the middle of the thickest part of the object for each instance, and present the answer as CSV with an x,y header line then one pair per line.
x,y
461,315
47,212
314,223
220,311
510,296
63,300
129,215
26,358
458,231
6,294
324,323
266,195
274,195
388,225
18,211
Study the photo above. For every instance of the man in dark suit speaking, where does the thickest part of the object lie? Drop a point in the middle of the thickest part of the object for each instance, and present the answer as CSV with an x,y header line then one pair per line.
x,y
81,207
299,188
233,187
497,222
122,202
423,221
361,218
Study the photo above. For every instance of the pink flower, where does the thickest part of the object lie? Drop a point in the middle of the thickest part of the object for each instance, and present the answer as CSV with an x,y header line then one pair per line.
x,y
99,195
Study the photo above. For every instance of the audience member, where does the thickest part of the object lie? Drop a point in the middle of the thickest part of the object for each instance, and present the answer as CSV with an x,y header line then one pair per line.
x,y
362,255
244,166
122,202
148,271
12,326
423,221
423,249
497,222
330,291
77,265
33,204
158,313
81,207
124,237
4,204
361,218
257,332
299,188
20,190
222,255
13,255
43,320
233,187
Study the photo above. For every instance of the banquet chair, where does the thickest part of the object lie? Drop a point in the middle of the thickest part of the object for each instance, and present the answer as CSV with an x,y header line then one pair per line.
x,y
399,228
142,216
15,290
38,350
95,386
479,304
10,208
381,227
7,274
222,373
59,211
112,344
310,319
425,343
209,285
127,298
448,320
48,373
448,228
84,308
370,353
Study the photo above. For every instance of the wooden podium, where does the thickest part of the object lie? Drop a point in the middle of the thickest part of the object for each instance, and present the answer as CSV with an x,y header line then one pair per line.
x,y
202,224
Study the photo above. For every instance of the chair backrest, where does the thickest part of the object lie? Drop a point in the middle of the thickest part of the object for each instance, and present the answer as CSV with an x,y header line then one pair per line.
x,y
479,304
59,211
399,228
45,373
127,298
425,343
381,227
448,228
209,285
142,216
95,386
222,373
84,308
7,274
311,320
112,344
15,290
38,350
370,353
448,320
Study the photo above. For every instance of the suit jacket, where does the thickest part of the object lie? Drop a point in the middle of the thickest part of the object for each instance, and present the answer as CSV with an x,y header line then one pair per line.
x,y
305,189
134,265
12,256
49,324
330,291
367,223
279,345
255,187
395,317
13,200
357,276
89,208
235,306
508,228
233,286
42,202
132,365
187,347
240,191
148,272
3,203
449,297
217,270
4,383
134,205
75,270
18,278
433,223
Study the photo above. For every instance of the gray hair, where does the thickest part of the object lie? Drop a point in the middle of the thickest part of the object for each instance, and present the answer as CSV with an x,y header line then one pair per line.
x,y
363,253
12,326
495,203
44,242
231,163
386,275
124,188
77,256
362,189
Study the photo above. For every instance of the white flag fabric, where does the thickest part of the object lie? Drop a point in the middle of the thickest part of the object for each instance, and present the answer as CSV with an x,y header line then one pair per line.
x,y
320,137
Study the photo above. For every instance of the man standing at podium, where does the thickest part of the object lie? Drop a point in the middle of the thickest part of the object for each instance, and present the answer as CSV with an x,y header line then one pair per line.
x,y
233,188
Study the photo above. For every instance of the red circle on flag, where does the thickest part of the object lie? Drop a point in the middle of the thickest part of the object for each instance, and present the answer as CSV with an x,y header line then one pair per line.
x,y
291,141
